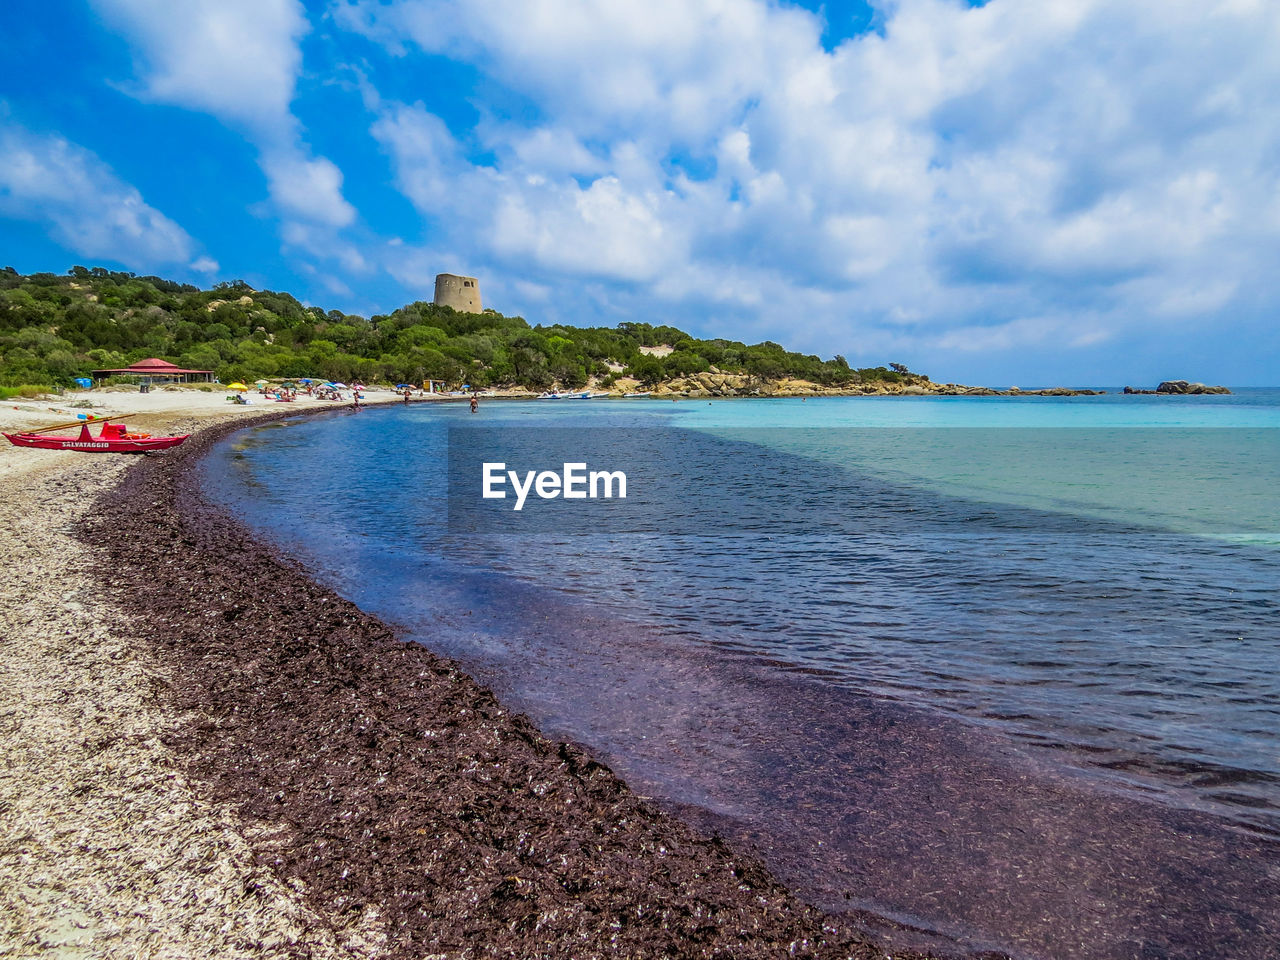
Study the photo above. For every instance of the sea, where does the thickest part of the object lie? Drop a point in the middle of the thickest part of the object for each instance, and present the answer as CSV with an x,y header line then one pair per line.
x,y
971,670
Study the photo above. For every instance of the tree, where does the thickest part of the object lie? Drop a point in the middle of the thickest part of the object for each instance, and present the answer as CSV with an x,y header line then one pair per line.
x,y
571,375
683,363
55,325
648,370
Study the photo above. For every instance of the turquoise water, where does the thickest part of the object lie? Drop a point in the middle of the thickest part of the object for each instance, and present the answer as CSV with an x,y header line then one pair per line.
x,y
1097,575
1204,465
843,628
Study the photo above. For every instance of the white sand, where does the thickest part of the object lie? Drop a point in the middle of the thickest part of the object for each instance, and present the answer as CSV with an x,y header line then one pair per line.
x,y
156,413
107,851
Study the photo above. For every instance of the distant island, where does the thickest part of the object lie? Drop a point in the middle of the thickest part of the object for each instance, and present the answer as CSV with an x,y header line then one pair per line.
x,y
1179,387
57,328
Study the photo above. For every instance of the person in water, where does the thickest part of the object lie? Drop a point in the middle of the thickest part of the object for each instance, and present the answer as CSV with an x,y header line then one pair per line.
x,y
475,402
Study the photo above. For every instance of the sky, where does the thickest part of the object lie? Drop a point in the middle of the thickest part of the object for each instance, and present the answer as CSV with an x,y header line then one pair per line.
x,y
1030,192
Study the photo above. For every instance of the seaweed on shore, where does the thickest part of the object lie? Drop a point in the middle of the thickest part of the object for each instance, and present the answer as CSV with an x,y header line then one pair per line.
x,y
394,791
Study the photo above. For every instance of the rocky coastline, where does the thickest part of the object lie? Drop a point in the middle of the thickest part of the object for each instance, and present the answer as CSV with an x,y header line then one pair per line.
x,y
727,385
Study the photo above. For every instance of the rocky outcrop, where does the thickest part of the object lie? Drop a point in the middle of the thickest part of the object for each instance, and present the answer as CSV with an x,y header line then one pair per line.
x,y
1178,387
1182,386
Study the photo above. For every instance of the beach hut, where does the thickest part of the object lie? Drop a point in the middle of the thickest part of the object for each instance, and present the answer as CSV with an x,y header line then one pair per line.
x,y
156,370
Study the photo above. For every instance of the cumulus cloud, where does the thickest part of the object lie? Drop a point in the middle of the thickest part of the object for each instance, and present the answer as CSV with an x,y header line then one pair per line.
x,y
679,66
428,163
1001,175
237,60
307,189
603,228
85,206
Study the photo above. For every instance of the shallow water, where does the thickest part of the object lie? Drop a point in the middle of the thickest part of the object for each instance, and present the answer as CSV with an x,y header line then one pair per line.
x,y
1090,584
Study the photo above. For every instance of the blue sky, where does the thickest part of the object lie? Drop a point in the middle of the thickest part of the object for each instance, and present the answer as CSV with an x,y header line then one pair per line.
x,y
1058,191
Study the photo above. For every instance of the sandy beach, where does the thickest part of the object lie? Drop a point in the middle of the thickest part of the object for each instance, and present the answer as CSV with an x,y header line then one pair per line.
x,y
207,754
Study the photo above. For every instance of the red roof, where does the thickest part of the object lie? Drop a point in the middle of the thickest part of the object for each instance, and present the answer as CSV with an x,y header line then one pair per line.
x,y
153,365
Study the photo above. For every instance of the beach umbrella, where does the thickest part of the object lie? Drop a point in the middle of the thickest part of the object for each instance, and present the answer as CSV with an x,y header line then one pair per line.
x,y
236,386
339,386
259,383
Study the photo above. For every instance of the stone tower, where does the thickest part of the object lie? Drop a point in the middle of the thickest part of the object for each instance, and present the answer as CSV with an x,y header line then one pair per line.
x,y
461,293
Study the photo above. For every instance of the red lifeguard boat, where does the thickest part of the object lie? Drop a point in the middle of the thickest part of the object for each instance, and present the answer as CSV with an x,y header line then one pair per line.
x,y
113,438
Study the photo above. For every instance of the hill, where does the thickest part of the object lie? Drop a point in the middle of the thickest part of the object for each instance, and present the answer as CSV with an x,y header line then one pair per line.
x,y
54,328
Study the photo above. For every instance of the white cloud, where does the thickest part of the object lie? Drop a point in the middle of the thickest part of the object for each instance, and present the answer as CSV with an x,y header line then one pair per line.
x,y
323,242
428,163
1026,331
554,151
603,229
548,217
85,206
1039,176
204,265
237,60
234,59
416,267
677,65
307,189
336,286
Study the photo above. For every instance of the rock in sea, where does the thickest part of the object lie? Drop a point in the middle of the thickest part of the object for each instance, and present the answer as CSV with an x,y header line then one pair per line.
x,y
1182,386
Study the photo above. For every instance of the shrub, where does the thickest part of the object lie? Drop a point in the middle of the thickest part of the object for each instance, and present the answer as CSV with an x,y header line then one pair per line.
x,y
25,390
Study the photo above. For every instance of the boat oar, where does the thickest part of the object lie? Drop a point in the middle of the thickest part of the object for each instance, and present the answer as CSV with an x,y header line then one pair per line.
x,y
78,423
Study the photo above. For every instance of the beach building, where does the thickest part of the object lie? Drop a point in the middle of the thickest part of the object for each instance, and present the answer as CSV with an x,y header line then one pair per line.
x,y
156,370
461,293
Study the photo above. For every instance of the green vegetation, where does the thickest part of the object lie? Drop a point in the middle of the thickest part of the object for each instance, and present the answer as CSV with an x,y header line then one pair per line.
x,y
55,328
24,390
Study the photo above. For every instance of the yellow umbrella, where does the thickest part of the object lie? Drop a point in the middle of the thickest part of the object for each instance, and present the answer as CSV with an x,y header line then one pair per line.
x,y
236,386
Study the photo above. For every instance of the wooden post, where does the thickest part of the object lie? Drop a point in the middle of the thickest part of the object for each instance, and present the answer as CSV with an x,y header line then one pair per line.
x,y
78,423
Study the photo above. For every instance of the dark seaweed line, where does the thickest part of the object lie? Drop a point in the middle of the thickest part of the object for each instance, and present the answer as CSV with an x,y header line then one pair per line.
x,y
392,785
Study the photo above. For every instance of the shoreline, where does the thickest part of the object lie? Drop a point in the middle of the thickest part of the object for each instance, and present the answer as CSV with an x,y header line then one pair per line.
x,y
221,669
400,806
